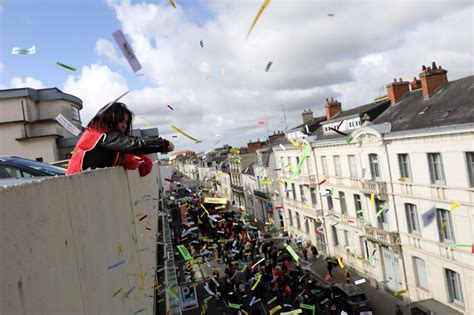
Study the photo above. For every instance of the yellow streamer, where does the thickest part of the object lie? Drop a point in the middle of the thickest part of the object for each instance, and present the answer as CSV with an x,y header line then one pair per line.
x,y
173,4
264,5
275,309
372,199
398,293
455,205
185,134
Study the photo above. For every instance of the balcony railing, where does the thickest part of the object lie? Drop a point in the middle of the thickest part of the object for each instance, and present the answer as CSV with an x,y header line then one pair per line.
x,y
237,188
262,194
372,187
381,236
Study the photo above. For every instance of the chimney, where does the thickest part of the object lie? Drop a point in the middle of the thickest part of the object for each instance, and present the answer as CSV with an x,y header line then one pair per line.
x,y
396,90
307,116
332,108
432,78
415,84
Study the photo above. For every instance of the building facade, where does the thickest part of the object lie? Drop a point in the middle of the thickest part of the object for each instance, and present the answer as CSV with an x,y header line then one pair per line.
x,y
28,126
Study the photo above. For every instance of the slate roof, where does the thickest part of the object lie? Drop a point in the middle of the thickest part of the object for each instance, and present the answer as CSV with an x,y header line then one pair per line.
x,y
40,95
451,104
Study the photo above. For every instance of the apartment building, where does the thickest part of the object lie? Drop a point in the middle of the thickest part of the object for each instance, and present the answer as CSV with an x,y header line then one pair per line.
x,y
237,166
398,195
28,126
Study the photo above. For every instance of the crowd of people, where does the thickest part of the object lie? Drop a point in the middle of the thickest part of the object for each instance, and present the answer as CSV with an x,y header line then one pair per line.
x,y
258,271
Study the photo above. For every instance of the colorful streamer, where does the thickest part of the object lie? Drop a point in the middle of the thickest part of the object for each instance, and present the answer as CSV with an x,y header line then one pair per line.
x,y
185,134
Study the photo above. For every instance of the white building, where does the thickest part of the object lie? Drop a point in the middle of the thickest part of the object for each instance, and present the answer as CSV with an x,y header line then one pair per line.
x,y
406,155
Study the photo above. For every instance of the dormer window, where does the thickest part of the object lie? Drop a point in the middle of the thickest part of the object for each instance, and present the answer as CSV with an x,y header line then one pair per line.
x,y
75,114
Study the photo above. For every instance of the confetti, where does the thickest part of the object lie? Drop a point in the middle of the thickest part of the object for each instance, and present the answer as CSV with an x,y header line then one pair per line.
x,y
275,309
292,253
142,249
127,50
222,71
173,4
398,293
185,134
170,107
201,43
372,199
143,218
117,264
309,307
117,292
269,64
443,227
24,51
264,5
172,293
256,282
402,179
237,306
258,262
261,122
67,124
282,147
340,263
357,282
429,216
349,140
139,311
297,311
184,252
455,205
65,66
129,291
338,132
272,300
322,182
380,212
303,157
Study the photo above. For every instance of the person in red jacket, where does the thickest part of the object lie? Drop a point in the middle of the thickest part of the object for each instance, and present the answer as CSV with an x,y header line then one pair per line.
x,y
107,142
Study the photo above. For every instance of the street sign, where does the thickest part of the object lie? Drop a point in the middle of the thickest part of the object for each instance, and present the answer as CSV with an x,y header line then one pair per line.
x,y
188,298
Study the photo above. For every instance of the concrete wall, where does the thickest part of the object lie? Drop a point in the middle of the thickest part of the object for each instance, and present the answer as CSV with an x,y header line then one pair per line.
x,y
58,236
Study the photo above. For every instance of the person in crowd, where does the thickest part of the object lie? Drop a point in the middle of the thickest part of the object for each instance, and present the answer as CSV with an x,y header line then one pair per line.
x,y
305,253
107,142
314,250
398,310
347,276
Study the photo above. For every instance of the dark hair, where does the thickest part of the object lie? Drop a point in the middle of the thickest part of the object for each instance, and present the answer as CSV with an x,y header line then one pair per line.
x,y
109,118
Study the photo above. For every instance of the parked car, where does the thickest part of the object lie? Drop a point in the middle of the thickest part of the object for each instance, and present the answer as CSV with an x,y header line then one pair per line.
x,y
350,298
17,167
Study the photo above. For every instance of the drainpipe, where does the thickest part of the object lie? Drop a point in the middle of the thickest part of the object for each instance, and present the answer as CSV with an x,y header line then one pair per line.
x,y
395,210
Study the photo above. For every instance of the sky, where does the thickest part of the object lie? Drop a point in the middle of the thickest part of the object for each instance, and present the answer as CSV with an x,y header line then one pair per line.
x,y
346,49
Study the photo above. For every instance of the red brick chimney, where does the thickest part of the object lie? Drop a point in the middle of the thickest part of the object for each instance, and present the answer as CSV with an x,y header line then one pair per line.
x,y
415,84
432,78
396,90
332,108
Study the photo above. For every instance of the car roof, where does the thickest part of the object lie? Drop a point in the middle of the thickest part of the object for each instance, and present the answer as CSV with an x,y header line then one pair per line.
x,y
5,182
349,289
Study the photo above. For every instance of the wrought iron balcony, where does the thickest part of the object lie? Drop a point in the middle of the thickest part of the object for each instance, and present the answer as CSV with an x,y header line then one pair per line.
x,y
373,187
262,194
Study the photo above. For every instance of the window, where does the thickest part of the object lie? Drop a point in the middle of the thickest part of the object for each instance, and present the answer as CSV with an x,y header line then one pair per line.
x,y
382,218
306,224
346,240
436,168
314,199
365,247
12,172
412,218
298,223
358,206
290,217
404,164
421,274
453,282
297,160
287,191
303,198
75,114
352,166
324,165
445,226
374,166
337,165
342,200
334,235
330,204
294,191
470,167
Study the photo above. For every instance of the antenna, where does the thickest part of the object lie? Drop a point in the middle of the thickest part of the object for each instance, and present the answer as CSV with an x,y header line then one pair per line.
x,y
284,117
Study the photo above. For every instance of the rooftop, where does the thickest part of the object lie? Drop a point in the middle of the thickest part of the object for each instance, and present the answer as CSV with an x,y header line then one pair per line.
x,y
40,95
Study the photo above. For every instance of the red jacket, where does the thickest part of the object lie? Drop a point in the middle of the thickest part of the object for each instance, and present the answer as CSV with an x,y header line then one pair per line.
x,y
87,142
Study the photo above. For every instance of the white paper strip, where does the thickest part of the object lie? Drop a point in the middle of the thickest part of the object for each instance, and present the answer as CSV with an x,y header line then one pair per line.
x,y
68,125
24,51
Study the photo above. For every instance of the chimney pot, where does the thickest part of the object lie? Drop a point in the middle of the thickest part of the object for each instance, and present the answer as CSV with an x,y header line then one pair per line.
x,y
433,65
423,68
432,79
394,80
400,80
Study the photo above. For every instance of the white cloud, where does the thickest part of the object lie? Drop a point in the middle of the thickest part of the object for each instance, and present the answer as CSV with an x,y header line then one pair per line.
x,y
17,82
96,86
348,56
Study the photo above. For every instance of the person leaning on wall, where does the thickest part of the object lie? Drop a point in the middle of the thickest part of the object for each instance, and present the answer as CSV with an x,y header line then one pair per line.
x,y
107,142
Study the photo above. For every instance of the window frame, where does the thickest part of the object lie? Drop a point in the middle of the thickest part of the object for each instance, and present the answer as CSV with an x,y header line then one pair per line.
x,y
335,237
411,214
75,112
324,165
374,166
404,166
470,167
314,196
421,282
358,201
337,165
441,215
342,202
290,217
451,275
330,203
352,168
433,170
